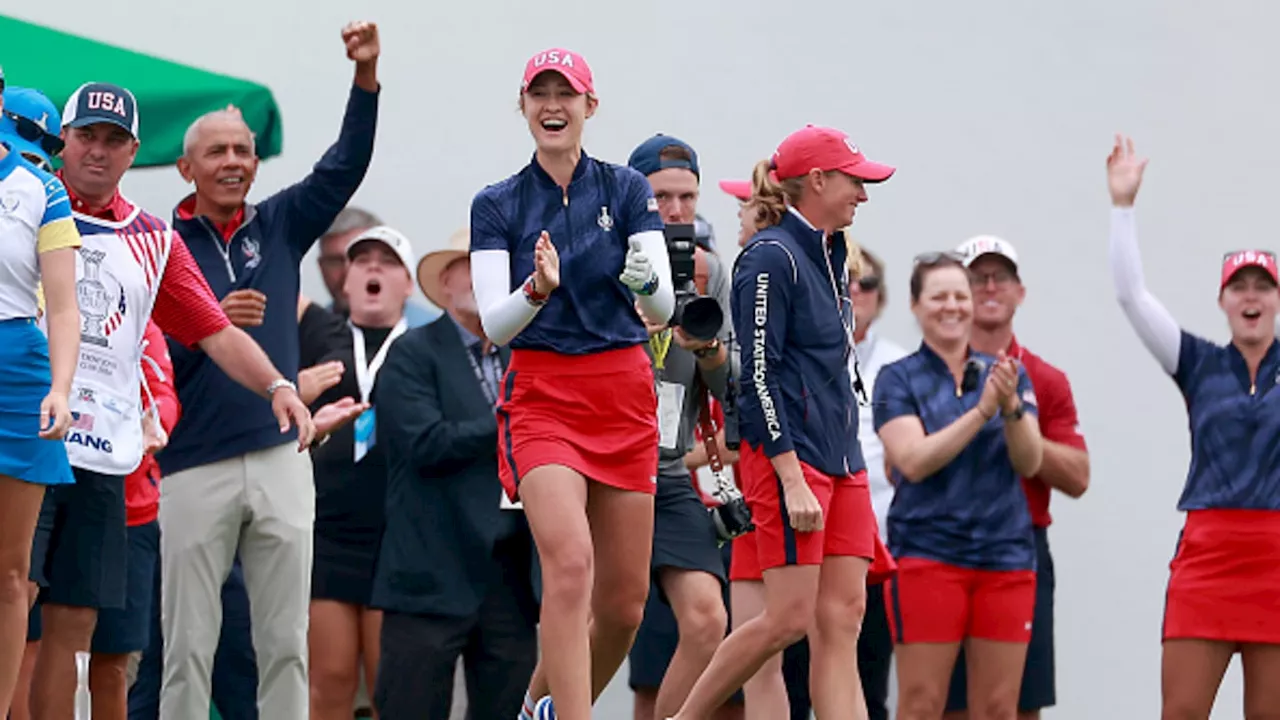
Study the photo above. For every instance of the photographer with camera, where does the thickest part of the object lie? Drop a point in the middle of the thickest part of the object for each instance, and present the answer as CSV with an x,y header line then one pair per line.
x,y
685,618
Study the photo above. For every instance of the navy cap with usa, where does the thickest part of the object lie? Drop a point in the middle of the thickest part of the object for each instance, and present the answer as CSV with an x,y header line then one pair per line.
x,y
648,159
98,102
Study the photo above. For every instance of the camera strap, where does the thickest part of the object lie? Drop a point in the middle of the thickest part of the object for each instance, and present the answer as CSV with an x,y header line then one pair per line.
x,y
709,429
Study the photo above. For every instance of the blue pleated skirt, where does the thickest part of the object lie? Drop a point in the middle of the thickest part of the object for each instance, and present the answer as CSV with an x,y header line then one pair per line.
x,y
24,382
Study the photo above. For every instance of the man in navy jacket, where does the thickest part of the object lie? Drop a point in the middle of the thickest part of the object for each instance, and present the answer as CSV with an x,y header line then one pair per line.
x,y
232,481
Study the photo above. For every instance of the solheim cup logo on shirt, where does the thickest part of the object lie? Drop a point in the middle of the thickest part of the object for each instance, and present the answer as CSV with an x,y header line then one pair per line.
x,y
605,221
94,298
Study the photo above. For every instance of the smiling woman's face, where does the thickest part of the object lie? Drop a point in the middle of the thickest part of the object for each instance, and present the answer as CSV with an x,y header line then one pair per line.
x,y
556,113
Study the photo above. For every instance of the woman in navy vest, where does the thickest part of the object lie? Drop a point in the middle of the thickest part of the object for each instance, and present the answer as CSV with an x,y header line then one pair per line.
x,y
802,473
959,431
562,254
1225,576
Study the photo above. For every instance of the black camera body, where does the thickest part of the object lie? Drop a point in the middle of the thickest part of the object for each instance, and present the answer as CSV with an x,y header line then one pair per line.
x,y
697,316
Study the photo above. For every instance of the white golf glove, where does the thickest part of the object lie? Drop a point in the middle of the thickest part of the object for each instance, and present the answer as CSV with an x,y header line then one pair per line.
x,y
638,272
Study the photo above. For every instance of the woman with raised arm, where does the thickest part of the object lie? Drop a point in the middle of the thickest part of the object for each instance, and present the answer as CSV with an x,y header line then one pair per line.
x,y
1225,576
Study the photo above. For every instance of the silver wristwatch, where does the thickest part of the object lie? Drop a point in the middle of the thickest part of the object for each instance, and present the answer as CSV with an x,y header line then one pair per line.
x,y
277,384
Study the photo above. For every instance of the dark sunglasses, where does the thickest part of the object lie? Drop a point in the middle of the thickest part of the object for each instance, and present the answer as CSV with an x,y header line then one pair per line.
x,y
934,258
38,161
869,283
30,131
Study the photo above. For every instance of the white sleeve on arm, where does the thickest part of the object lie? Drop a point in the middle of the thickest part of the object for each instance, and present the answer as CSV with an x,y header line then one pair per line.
x,y
1155,326
659,306
503,313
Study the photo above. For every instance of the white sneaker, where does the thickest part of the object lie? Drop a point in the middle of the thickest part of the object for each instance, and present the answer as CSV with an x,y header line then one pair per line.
x,y
544,709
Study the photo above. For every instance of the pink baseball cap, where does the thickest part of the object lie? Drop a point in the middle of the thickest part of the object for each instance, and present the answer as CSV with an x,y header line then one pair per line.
x,y
1234,262
740,189
572,66
826,149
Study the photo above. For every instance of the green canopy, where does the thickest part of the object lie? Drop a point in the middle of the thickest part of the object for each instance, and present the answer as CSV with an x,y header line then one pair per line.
x,y
170,95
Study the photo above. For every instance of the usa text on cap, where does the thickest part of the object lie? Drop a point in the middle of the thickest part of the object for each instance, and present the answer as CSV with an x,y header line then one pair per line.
x,y
97,102
976,247
567,63
825,149
647,157
1236,261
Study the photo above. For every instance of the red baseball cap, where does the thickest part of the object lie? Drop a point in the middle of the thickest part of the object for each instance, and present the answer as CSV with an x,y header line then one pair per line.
x,y
1234,262
572,66
740,189
826,149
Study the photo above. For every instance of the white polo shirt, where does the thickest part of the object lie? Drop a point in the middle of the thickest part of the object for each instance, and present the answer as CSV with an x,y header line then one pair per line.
x,y
874,352
35,217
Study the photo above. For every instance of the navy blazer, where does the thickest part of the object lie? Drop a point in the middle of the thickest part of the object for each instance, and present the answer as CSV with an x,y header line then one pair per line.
x,y
441,441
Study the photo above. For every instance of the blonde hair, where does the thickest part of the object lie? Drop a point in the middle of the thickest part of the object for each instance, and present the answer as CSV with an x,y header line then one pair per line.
x,y
769,197
856,263
768,203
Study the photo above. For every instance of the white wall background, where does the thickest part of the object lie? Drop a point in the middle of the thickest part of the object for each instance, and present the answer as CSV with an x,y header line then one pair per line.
x,y
998,113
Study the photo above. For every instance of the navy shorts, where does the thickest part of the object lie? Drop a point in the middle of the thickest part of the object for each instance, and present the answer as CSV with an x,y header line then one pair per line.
x,y
684,536
35,626
79,555
1039,687
120,632
658,635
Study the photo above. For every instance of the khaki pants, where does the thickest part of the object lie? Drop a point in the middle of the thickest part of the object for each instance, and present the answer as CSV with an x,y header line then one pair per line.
x,y
262,503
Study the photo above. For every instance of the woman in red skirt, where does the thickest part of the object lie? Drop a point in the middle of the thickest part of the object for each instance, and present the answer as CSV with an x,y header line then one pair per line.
x,y
1225,578
562,254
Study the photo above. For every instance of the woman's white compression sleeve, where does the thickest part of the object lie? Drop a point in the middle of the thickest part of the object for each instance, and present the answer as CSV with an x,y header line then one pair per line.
x,y
659,306
1155,326
503,313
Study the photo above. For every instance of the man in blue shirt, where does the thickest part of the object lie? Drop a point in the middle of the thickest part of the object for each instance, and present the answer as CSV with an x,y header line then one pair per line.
x,y
231,479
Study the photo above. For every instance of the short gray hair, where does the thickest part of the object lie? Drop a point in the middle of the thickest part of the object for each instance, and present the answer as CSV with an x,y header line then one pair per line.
x,y
229,112
352,218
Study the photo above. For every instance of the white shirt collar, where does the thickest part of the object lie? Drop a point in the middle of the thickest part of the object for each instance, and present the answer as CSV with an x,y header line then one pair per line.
x,y
791,209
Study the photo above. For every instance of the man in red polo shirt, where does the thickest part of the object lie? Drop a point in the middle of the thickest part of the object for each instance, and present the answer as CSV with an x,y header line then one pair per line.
x,y
997,293
131,267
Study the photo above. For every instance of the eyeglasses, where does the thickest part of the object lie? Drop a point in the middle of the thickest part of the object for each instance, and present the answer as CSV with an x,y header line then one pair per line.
x,y
869,283
934,258
31,131
1001,278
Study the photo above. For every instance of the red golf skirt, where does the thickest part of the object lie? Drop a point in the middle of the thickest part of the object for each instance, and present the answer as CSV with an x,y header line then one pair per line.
x,y
597,414
849,523
1225,578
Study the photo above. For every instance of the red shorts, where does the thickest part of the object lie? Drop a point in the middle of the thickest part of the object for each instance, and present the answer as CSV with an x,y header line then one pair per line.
x,y
934,602
849,522
1225,578
597,414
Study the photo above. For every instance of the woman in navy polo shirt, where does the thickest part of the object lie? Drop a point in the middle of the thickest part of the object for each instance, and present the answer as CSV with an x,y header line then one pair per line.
x,y
1225,576
959,431
560,254
801,470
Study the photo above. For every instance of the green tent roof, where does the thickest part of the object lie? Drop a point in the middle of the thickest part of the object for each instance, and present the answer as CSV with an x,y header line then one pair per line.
x,y
170,95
